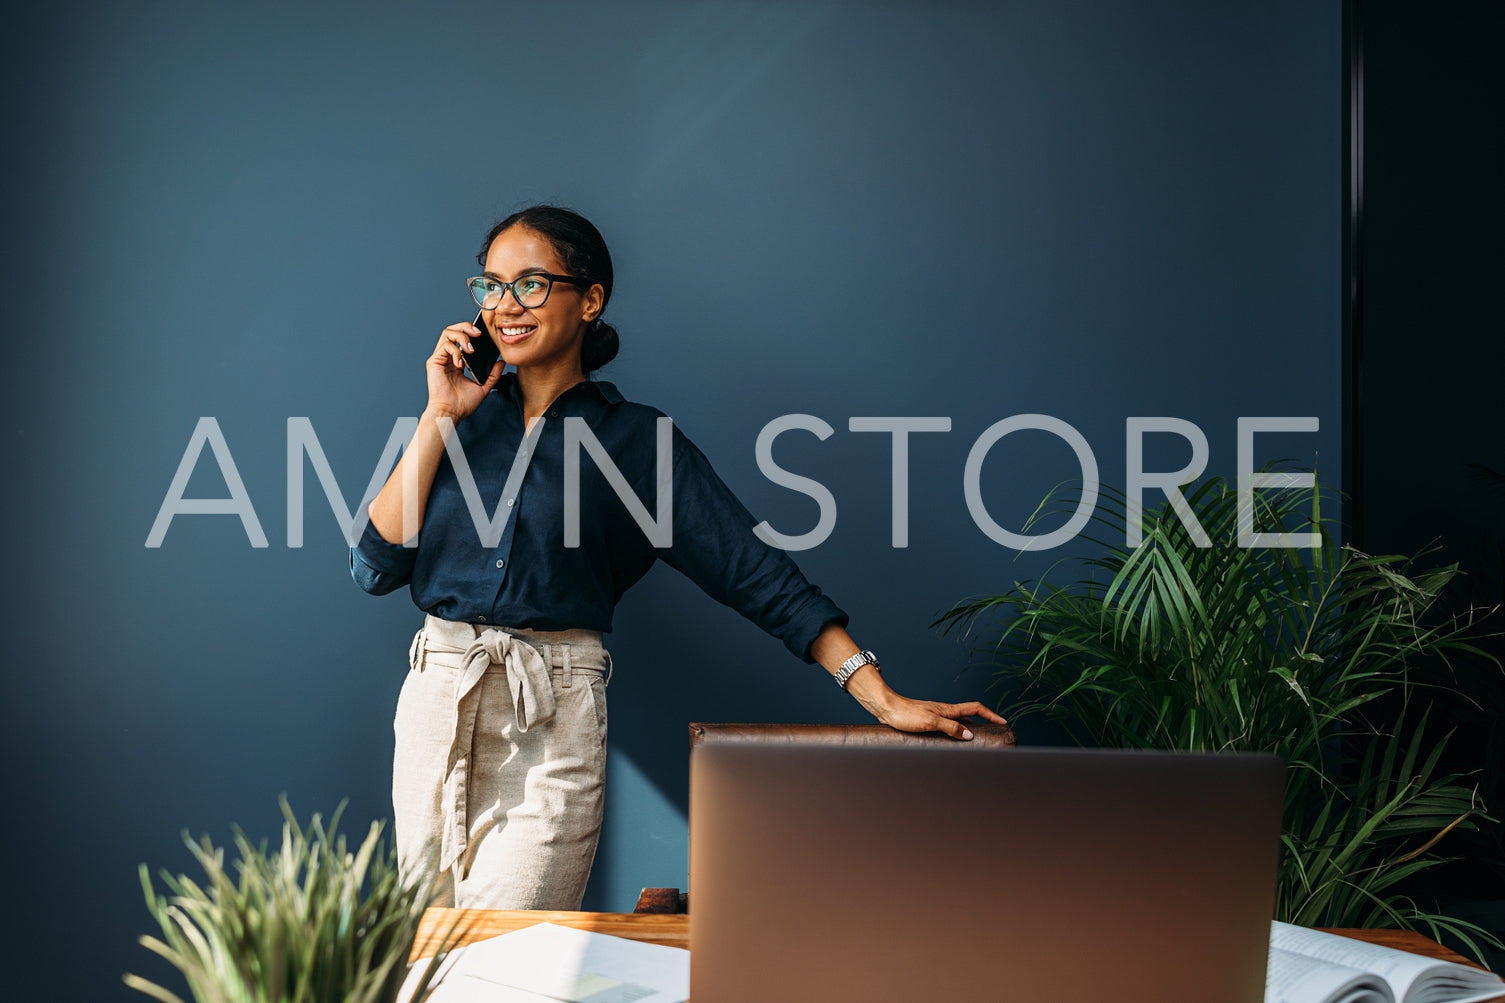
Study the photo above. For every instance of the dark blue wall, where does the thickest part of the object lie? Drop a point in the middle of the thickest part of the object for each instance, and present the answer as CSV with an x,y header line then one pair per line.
x,y
1092,211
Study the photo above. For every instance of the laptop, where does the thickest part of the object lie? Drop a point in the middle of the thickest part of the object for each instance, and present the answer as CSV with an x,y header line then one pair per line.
x,y
835,873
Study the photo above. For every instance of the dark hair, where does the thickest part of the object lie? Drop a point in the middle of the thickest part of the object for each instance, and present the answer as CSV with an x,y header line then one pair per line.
x,y
583,250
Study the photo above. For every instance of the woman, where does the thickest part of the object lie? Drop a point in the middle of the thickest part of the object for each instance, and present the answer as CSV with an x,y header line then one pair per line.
x,y
501,725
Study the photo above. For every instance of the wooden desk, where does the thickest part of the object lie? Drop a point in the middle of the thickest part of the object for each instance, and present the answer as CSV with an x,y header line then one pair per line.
x,y
479,924
674,930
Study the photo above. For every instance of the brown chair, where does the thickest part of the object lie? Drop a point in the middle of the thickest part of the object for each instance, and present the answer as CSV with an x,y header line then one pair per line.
x,y
985,735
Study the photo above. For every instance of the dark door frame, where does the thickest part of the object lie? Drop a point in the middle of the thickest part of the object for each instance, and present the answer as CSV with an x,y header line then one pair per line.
x,y
1351,407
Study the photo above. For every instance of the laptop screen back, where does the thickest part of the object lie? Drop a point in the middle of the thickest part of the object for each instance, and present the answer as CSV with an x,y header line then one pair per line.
x,y
837,873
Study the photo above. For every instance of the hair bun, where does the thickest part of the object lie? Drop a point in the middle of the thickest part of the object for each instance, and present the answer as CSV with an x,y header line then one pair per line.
x,y
599,346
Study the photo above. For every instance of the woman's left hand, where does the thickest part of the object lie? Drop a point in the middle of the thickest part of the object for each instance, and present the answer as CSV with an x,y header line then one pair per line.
x,y
905,714
833,645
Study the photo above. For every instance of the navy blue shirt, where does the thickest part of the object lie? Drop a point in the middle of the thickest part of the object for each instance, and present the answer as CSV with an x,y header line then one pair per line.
x,y
531,579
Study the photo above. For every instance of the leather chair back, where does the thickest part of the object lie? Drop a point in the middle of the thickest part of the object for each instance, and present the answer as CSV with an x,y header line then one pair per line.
x,y
985,734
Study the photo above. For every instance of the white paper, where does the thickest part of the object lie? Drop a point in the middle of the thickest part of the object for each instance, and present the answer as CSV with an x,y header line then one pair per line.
x,y
1398,968
548,963
1295,978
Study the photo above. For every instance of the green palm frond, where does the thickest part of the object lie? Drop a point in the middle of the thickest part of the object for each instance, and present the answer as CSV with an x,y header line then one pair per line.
x,y
1175,645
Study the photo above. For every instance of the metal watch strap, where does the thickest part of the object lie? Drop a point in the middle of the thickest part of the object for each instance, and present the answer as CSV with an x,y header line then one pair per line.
x,y
854,663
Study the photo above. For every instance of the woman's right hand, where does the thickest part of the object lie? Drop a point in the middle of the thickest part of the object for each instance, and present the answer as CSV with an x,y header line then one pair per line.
x,y
450,391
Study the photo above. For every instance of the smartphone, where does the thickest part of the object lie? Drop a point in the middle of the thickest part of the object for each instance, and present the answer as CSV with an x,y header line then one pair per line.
x,y
478,362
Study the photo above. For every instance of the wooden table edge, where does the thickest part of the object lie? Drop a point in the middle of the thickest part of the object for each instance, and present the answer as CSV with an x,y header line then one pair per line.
x,y
466,926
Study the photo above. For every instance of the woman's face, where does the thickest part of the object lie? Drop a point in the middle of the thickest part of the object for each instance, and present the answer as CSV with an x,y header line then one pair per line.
x,y
546,336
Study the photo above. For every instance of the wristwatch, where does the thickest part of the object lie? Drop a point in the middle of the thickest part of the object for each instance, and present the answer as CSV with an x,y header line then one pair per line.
x,y
854,663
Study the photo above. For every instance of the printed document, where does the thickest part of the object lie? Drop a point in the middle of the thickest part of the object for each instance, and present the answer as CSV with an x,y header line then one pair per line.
x,y
548,963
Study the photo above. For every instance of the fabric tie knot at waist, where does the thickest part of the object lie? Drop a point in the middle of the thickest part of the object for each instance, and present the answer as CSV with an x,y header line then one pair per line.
x,y
530,660
532,702
527,674
532,699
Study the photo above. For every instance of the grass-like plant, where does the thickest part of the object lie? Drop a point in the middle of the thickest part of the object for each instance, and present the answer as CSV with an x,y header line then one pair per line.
x,y
308,923
1175,645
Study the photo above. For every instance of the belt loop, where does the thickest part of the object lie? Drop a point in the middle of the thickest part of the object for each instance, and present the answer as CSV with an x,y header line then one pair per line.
x,y
568,665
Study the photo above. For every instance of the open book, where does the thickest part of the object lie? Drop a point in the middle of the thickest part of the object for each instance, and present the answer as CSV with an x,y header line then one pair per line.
x,y
1309,966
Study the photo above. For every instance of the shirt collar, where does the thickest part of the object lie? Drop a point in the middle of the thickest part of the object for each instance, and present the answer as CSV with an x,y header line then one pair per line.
x,y
606,391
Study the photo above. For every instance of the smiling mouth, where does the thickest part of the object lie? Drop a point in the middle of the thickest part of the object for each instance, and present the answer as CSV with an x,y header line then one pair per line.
x,y
513,333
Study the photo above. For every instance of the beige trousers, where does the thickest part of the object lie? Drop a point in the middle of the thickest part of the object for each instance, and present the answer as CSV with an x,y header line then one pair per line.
x,y
500,763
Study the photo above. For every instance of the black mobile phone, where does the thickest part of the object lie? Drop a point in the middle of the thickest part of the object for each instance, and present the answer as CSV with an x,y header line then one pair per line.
x,y
478,362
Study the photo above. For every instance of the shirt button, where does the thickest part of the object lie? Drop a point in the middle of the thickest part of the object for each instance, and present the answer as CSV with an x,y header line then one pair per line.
x,y
510,501
554,413
500,563
481,618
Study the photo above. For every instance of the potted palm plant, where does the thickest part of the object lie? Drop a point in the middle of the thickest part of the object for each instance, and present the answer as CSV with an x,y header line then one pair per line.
x,y
310,922
1172,645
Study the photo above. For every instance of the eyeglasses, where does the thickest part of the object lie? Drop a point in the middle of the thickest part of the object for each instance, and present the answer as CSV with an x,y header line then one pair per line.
x,y
530,291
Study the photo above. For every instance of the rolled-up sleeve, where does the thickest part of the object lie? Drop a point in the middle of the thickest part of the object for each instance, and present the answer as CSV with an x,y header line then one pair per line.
x,y
715,547
380,567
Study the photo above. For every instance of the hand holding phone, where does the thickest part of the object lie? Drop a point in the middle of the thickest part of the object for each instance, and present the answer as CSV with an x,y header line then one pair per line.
x,y
484,353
